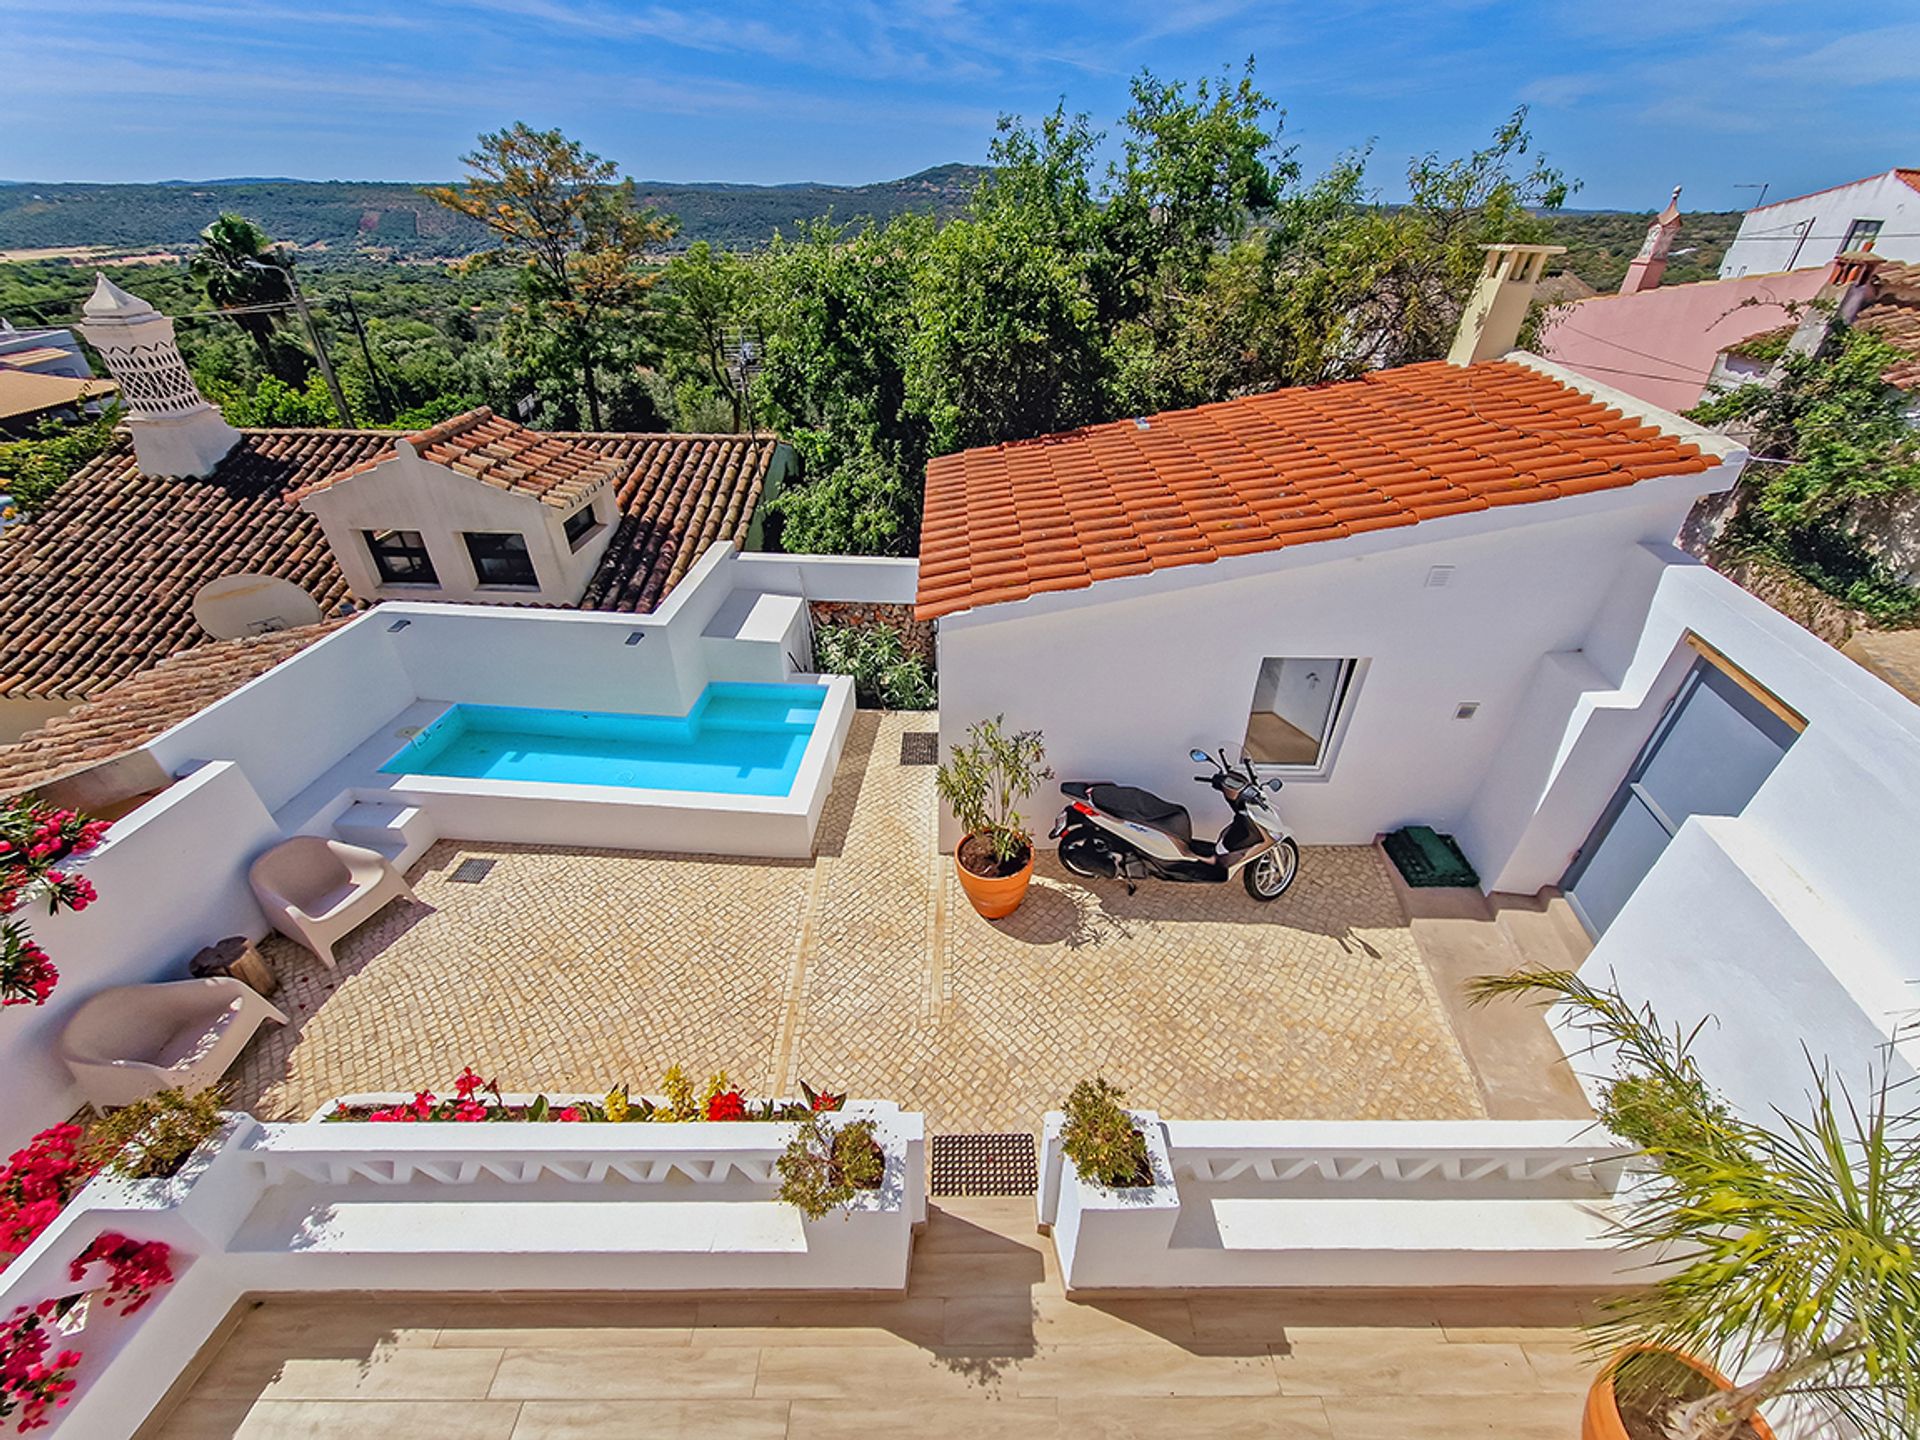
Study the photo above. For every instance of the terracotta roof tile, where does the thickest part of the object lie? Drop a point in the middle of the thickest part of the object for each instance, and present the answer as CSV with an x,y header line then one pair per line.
x,y
1895,317
99,586
128,715
557,469
1267,471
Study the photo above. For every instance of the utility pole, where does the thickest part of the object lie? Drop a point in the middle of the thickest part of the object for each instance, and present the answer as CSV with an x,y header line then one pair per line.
x,y
313,338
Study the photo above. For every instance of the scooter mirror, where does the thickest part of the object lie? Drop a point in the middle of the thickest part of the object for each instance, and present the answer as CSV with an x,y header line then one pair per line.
x,y
1200,757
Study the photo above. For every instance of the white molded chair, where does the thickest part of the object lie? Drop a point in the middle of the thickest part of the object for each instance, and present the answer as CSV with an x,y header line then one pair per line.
x,y
133,1041
315,890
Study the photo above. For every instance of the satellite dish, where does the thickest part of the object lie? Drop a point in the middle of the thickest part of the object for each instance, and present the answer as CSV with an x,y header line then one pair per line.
x,y
238,605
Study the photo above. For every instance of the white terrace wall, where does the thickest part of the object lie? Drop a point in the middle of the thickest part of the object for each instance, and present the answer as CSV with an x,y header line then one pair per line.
x,y
457,1208
171,877
1793,922
1382,1203
1125,677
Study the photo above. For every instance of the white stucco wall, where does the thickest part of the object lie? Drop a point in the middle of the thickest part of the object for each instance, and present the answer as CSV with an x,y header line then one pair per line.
x,y
1791,923
171,878
1769,238
1125,677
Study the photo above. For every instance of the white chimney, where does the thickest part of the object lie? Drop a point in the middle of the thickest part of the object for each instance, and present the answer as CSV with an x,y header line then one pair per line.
x,y
1490,325
175,431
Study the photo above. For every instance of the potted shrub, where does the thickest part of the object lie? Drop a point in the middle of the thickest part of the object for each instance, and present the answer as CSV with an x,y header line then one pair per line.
x,y
828,1164
983,782
1791,1248
1102,1140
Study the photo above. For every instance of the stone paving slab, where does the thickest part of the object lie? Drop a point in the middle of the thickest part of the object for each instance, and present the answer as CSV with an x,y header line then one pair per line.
x,y
865,969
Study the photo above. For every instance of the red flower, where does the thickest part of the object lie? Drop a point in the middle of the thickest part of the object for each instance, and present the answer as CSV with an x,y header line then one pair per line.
x,y
727,1105
570,1113
37,1182
469,1110
135,1269
468,1083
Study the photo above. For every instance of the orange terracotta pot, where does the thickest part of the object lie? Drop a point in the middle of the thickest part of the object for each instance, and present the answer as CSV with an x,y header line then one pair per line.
x,y
994,896
1601,1418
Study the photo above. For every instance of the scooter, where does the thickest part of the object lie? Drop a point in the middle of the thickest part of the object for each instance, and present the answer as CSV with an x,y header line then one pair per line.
x,y
1118,830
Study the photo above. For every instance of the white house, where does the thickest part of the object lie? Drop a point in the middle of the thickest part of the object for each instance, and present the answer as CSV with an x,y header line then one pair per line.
x,y
1448,595
1812,229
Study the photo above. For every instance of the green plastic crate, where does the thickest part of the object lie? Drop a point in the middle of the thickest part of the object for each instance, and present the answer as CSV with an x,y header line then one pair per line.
x,y
1426,859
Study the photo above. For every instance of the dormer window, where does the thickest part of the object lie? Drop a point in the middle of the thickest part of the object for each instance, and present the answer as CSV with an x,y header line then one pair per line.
x,y
400,557
500,560
579,525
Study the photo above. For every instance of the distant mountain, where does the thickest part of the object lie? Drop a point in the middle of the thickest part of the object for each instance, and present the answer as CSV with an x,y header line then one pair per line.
x,y
352,216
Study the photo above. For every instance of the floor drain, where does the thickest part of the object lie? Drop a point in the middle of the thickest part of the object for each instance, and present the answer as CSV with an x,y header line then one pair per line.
x,y
984,1165
920,747
471,872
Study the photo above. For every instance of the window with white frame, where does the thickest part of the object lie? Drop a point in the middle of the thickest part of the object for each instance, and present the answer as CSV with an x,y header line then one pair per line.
x,y
400,557
500,559
1860,232
1297,703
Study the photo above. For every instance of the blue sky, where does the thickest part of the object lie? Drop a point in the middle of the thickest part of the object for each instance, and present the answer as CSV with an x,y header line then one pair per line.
x,y
1630,96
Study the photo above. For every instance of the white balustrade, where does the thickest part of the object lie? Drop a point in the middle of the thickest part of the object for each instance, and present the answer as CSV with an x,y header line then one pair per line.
x,y
1346,1203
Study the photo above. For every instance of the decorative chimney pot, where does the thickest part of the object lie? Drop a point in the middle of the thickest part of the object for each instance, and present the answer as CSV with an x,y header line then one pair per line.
x,y
175,431
1651,263
1490,325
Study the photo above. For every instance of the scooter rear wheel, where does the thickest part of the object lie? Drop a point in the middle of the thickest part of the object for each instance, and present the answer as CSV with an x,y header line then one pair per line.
x,y
1268,877
1087,858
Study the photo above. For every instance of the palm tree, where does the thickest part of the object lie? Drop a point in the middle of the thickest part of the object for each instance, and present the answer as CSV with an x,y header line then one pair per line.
x,y
236,265
1794,1246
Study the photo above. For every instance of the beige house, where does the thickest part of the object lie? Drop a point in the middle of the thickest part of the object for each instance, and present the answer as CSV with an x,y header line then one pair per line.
x,y
476,508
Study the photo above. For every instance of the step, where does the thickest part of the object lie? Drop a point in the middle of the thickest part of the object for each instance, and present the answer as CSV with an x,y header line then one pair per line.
x,y
1423,1224
395,831
511,1227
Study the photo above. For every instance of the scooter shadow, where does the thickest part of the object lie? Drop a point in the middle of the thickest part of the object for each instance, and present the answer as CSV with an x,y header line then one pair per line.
x,y
1062,909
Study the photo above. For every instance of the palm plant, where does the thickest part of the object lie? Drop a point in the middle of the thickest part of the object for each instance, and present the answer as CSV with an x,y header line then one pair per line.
x,y
239,266
1791,1246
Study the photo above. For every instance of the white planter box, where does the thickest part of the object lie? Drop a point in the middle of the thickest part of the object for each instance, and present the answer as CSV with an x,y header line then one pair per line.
x,y
1097,1228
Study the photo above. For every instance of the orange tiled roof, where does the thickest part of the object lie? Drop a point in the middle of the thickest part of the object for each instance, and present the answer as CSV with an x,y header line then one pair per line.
x,y
1895,317
99,585
559,470
1268,471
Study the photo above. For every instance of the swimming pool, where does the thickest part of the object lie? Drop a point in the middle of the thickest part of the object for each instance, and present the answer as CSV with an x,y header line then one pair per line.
x,y
738,739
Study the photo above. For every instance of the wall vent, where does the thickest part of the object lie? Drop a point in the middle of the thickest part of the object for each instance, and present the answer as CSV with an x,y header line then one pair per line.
x,y
1439,577
1466,710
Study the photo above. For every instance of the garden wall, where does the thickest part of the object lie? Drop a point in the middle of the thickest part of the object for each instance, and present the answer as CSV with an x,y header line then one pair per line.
x,y
916,635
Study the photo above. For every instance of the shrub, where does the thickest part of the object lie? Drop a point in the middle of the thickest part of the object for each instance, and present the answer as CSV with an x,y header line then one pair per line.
x,y
984,780
37,1182
886,675
152,1138
1100,1138
826,1165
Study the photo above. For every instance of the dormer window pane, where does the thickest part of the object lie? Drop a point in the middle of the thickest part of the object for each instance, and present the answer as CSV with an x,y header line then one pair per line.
x,y
500,558
400,557
578,525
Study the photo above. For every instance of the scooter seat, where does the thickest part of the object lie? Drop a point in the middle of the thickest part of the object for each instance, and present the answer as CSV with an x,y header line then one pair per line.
x,y
1143,807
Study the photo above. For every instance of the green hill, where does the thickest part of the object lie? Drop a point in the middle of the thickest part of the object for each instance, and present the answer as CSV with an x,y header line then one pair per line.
x,y
348,216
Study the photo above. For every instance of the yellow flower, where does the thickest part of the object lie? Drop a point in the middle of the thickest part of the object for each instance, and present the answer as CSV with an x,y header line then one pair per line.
x,y
617,1104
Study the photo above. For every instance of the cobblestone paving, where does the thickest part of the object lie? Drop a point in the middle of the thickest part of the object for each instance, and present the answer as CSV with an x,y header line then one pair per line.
x,y
867,969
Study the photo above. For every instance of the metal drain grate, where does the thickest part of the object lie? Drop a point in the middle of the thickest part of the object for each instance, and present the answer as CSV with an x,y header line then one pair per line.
x,y
984,1165
920,747
471,872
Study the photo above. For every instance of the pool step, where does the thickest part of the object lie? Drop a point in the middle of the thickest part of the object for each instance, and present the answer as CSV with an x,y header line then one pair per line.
x,y
402,833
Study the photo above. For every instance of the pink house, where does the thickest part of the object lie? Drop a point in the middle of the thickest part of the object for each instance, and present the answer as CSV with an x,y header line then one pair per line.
x,y
1659,345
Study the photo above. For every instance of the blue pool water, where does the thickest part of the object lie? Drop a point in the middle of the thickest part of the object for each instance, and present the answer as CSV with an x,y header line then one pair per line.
x,y
737,740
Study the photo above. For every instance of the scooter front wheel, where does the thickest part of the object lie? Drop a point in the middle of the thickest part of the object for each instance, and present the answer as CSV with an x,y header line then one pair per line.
x,y
1268,877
